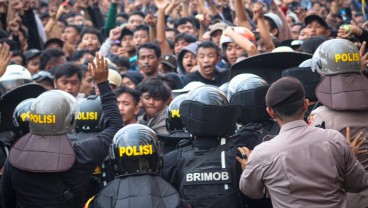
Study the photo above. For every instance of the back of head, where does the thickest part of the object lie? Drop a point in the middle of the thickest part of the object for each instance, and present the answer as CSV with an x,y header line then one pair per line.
x,y
206,112
286,97
48,56
173,120
135,149
248,92
90,117
336,56
21,117
53,113
311,44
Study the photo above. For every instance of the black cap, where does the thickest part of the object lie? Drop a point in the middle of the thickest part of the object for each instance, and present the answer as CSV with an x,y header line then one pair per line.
x,y
54,40
319,19
41,75
135,76
125,31
32,53
169,60
286,90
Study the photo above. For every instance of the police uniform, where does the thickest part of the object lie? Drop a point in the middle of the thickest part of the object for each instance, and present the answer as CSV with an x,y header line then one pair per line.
x,y
204,170
343,91
136,159
31,178
302,166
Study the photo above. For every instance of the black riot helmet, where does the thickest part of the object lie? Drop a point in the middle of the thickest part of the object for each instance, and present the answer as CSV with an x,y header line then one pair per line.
x,y
248,91
135,149
206,112
173,120
21,117
90,117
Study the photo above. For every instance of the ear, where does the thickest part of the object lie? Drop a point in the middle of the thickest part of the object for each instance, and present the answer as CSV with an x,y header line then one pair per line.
x,y
306,105
55,85
137,108
274,32
271,112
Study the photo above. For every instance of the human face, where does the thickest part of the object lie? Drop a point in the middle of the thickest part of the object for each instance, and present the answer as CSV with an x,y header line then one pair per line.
x,y
70,85
295,31
17,60
215,37
207,59
128,83
233,52
170,35
140,37
134,21
87,85
128,109
91,41
315,28
70,35
148,62
187,28
189,61
303,34
127,43
78,20
179,45
152,106
33,65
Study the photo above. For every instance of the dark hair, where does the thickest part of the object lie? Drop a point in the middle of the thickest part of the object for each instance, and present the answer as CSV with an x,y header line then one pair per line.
x,y
79,54
297,24
141,27
76,28
121,61
48,55
152,46
123,15
156,88
138,13
92,31
172,79
19,53
290,110
171,44
184,20
358,14
209,44
123,89
186,37
11,43
311,44
68,70
172,30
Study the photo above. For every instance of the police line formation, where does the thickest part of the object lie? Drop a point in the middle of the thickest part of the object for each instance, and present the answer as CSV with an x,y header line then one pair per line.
x,y
256,141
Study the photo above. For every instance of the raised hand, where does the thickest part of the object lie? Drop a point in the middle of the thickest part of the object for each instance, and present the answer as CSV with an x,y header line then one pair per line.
x,y
257,10
150,19
115,33
98,69
5,56
162,4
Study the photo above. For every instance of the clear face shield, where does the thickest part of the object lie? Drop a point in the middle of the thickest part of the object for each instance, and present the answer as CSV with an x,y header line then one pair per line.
x,y
8,85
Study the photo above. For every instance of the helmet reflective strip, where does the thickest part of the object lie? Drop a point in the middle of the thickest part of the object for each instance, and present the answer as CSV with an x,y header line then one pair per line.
x,y
223,162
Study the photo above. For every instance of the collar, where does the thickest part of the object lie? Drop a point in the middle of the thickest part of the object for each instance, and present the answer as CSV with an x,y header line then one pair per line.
x,y
292,125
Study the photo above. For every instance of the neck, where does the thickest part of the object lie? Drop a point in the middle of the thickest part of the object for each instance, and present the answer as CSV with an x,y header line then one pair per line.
x,y
210,76
288,120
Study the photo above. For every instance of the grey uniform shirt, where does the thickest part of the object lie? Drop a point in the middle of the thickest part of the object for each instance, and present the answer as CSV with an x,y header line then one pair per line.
x,y
303,167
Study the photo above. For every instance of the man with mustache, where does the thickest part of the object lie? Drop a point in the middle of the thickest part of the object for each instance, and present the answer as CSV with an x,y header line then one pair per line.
x,y
149,59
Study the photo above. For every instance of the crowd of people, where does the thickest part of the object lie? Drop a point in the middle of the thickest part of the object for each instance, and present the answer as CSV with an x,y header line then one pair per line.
x,y
183,103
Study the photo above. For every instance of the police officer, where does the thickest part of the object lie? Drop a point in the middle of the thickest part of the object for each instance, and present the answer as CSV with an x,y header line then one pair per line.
x,y
248,91
44,169
89,122
343,93
136,158
204,170
174,126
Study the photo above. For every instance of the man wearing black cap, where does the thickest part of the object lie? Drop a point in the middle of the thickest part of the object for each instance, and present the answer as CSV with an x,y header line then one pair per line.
x,y
316,26
303,166
33,60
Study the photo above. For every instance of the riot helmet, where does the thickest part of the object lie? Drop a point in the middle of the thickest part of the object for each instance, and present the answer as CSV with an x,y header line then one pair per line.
x,y
206,112
248,91
90,117
21,117
14,76
53,113
135,149
224,88
336,56
208,95
173,120
244,82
